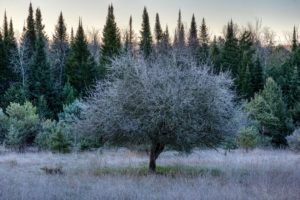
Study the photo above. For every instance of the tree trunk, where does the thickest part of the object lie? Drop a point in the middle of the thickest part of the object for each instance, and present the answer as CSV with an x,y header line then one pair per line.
x,y
156,149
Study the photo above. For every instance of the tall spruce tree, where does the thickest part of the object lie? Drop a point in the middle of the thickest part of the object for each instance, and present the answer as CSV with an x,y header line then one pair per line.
x,y
257,78
230,58
3,69
245,88
193,41
129,37
294,40
40,85
59,52
158,30
111,40
179,37
30,33
80,69
204,40
146,37
9,48
215,56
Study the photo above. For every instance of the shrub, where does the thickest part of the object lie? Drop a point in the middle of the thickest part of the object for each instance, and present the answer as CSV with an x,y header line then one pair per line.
x,y
42,140
294,140
3,126
23,125
247,138
58,141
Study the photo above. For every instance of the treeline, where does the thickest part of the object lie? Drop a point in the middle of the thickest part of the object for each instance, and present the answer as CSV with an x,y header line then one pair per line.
x,y
53,72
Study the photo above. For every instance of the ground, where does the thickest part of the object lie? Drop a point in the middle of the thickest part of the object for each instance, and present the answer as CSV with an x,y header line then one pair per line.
x,y
122,174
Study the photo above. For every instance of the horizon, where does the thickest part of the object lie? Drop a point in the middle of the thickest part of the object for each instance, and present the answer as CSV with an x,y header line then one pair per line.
x,y
216,12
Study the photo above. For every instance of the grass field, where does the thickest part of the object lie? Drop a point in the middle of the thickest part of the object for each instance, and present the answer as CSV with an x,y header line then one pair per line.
x,y
122,174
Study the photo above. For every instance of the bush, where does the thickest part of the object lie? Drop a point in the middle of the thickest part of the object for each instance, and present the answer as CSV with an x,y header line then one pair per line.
x,y
294,140
247,138
42,140
23,123
3,126
59,142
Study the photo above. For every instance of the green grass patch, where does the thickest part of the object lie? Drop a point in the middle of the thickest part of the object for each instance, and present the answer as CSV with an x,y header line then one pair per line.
x,y
171,170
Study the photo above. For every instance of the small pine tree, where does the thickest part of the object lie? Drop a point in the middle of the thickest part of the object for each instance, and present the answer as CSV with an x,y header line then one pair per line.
x,y
248,138
59,143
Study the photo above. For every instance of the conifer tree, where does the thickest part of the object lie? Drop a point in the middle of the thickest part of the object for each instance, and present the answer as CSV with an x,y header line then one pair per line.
x,y
3,69
246,65
204,39
215,56
59,51
230,58
179,38
72,36
30,33
257,78
7,73
80,69
294,40
111,40
129,37
158,30
40,86
193,42
269,110
146,37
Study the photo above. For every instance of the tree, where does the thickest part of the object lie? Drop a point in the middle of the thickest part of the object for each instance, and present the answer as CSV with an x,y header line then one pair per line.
x,y
179,37
158,30
156,103
230,53
294,40
59,51
30,33
204,39
269,110
215,55
146,37
7,47
111,40
193,42
247,138
129,37
23,123
80,69
40,80
257,79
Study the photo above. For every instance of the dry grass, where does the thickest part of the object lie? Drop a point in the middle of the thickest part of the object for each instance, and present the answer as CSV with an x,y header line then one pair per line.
x,y
122,174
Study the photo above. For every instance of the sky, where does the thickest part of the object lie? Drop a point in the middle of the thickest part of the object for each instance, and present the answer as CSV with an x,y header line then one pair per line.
x,y
279,15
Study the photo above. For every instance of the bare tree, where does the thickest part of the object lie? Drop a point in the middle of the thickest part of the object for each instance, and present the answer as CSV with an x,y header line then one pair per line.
x,y
94,43
160,104
20,60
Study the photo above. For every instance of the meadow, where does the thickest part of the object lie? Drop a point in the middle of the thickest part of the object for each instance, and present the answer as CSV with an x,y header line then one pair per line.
x,y
122,174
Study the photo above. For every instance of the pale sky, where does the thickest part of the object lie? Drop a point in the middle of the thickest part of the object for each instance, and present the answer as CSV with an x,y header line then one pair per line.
x,y
279,15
